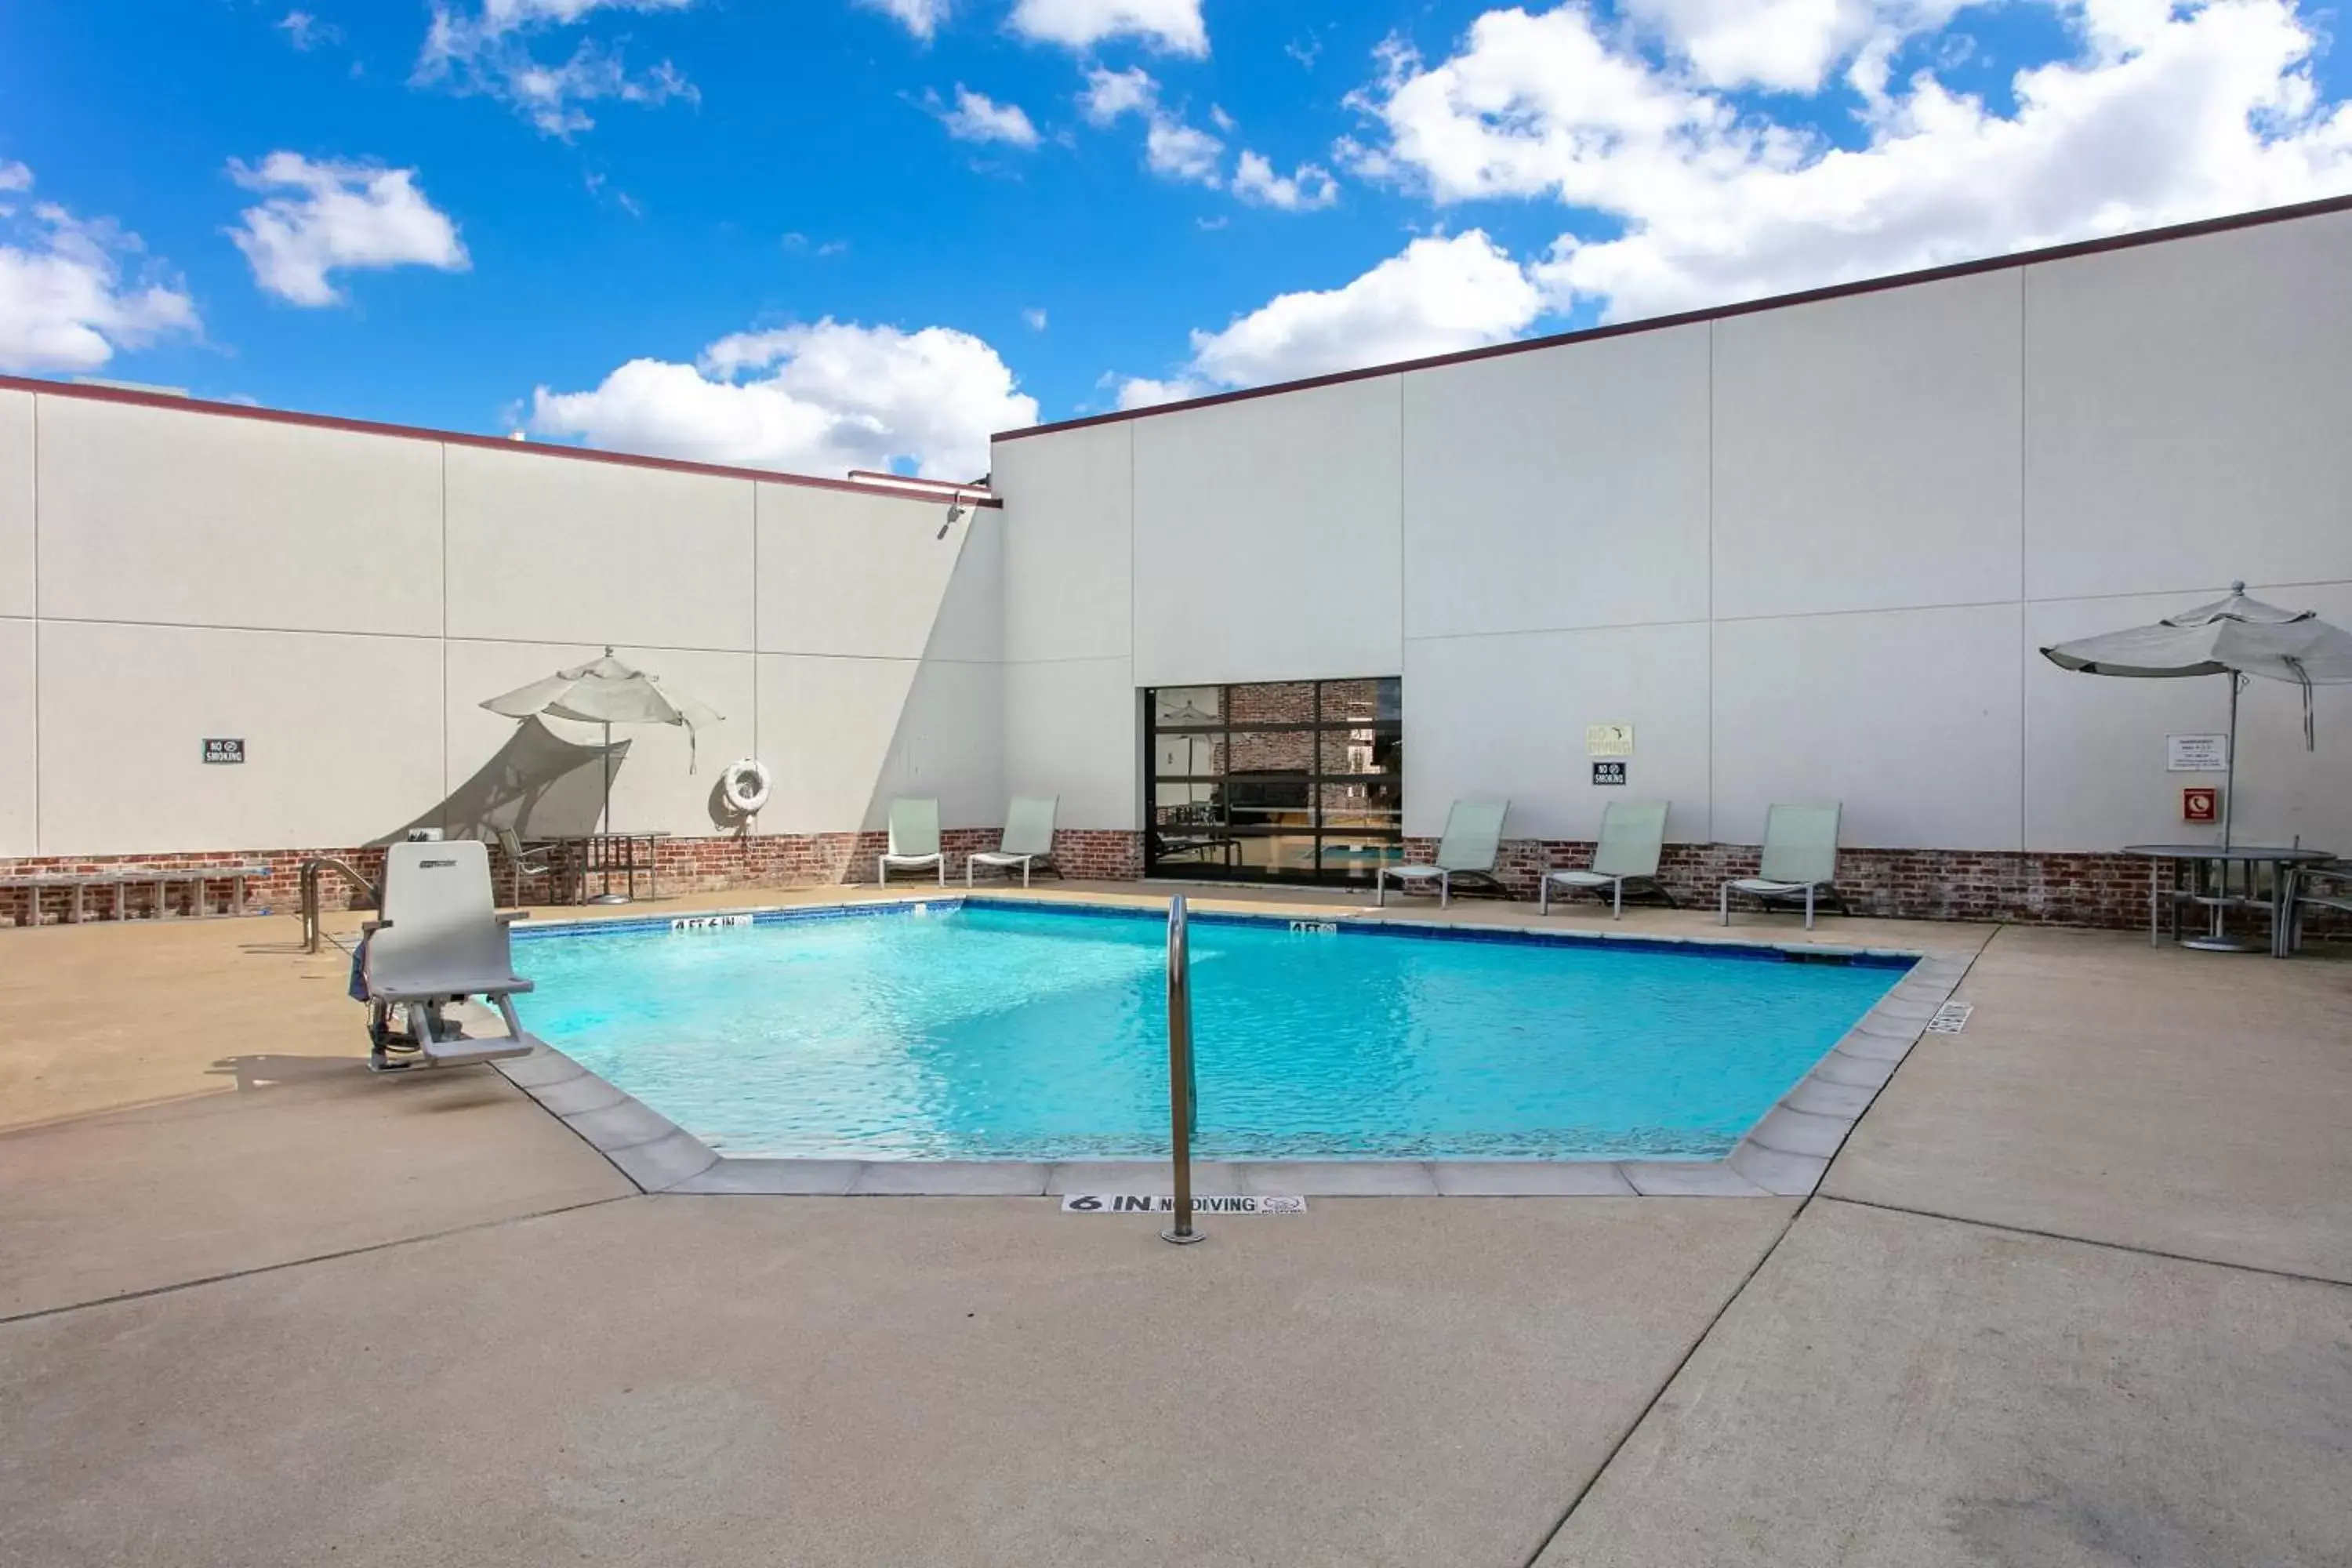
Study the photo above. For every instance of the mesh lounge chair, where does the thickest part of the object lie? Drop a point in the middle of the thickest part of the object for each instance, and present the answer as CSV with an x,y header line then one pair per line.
x,y
1028,839
1632,832
2327,886
1799,860
914,839
545,862
1473,836
441,940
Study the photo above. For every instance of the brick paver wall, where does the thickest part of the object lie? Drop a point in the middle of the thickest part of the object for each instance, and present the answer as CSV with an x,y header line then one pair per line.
x,y
2078,890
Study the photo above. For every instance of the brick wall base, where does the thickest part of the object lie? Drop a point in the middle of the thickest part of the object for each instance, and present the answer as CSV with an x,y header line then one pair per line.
x,y
2074,890
682,865
2024,889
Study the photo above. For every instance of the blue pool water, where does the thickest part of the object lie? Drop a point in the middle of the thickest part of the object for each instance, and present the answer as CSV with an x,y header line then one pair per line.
x,y
996,1033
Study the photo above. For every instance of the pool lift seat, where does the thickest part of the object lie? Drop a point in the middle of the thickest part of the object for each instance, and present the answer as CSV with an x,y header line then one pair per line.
x,y
442,940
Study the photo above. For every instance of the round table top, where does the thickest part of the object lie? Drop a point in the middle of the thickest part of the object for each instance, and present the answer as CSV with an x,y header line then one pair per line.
x,y
2234,852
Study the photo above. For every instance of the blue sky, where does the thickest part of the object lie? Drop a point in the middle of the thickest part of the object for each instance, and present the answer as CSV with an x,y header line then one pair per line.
x,y
779,232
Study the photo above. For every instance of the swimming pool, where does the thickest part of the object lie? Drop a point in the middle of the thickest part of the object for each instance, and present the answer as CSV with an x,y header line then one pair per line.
x,y
979,1031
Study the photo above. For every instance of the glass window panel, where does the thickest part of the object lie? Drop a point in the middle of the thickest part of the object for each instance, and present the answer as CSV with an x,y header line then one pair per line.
x,y
1273,752
1277,855
1375,804
1351,701
1348,751
1274,703
1288,795
1187,802
1355,859
1187,705
1200,754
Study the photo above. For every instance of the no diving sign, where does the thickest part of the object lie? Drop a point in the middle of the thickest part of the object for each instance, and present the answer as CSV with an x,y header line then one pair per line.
x,y
1165,1202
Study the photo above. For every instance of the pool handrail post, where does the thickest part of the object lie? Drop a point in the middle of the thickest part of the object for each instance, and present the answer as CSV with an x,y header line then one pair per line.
x,y
1182,1101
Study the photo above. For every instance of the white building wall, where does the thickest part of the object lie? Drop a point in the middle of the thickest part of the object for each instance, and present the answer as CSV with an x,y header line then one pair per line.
x,y
2187,414
1268,538
1070,710
342,601
16,549
164,517
20,741
1808,552
1867,452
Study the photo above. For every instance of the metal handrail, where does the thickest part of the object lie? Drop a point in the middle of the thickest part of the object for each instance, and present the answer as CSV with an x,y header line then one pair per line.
x,y
310,869
1183,1088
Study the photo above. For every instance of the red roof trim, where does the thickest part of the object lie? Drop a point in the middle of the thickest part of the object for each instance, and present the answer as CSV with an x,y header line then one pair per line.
x,y
462,439
1720,312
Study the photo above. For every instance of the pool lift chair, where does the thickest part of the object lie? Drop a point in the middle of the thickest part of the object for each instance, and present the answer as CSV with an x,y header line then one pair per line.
x,y
441,940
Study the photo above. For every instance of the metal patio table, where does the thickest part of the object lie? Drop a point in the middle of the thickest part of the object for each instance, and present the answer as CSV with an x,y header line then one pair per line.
x,y
603,855
2208,868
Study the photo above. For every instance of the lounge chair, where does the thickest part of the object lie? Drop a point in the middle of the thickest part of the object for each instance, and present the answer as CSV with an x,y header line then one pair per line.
x,y
546,862
442,939
1799,860
2327,886
1632,833
1028,839
1473,836
914,839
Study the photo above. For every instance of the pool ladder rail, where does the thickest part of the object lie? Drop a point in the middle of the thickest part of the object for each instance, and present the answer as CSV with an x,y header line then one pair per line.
x,y
1184,1087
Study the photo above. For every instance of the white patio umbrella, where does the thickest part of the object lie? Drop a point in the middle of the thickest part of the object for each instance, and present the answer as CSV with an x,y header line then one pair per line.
x,y
607,692
2236,636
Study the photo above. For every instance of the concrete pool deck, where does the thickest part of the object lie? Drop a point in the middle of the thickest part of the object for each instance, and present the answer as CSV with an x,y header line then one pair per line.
x,y
2078,1289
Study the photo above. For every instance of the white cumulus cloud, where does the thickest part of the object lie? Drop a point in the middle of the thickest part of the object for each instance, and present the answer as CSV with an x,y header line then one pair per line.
x,y
1790,45
975,117
1306,188
1174,26
326,217
488,51
1171,149
1436,296
73,293
822,398
920,17
2165,114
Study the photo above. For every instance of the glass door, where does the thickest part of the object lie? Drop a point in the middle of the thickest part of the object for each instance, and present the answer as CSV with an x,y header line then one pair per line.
x,y
1295,780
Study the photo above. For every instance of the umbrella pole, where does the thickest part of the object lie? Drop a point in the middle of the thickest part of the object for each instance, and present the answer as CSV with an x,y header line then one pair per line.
x,y
605,825
2230,773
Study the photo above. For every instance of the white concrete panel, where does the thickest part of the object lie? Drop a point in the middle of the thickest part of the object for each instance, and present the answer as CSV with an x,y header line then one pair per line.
x,y
1268,540
826,729
156,515
20,779
1868,451
1909,718
1561,487
2095,776
950,745
1504,716
545,549
667,780
970,624
2186,405
342,738
1069,516
847,574
16,503
1070,730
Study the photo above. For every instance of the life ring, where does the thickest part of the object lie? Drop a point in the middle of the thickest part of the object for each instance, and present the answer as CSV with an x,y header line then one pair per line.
x,y
745,784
